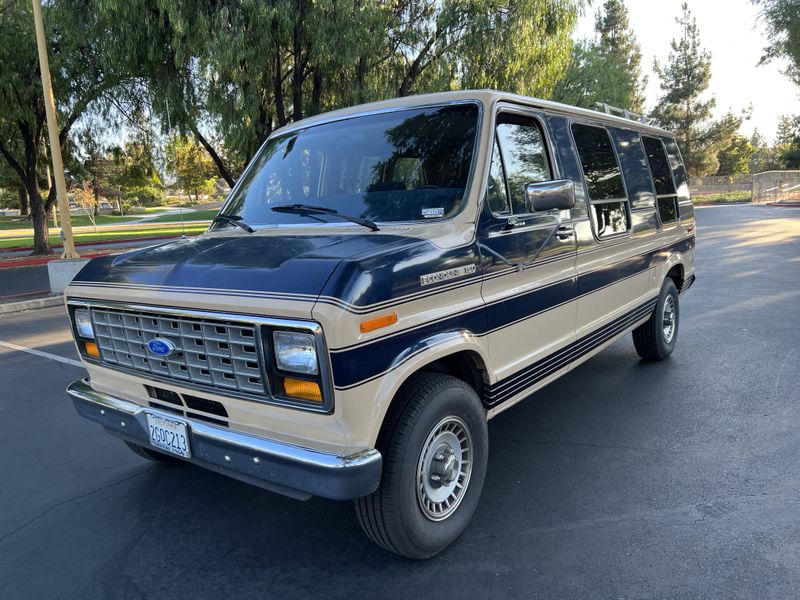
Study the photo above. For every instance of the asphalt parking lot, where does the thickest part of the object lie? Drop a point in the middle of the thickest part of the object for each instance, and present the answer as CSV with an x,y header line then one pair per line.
x,y
623,479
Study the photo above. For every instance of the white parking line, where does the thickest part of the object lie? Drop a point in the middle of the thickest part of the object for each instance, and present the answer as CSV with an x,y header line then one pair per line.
x,y
56,357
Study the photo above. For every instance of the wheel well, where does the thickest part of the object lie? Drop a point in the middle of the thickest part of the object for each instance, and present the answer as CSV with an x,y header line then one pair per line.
x,y
466,365
676,274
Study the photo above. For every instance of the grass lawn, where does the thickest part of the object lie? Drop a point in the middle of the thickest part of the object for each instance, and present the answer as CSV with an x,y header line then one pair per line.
x,y
198,215
109,236
76,220
722,198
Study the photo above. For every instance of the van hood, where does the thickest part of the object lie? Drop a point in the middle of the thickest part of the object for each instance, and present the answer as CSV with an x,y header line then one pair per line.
x,y
275,264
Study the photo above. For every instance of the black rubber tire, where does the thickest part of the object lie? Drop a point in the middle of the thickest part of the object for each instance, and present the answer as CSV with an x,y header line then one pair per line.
x,y
648,338
391,516
153,455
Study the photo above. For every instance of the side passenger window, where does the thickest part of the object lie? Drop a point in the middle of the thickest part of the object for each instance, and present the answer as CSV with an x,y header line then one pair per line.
x,y
518,158
603,180
664,184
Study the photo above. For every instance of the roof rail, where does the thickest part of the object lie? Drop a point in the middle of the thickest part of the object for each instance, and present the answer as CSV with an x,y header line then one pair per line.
x,y
620,112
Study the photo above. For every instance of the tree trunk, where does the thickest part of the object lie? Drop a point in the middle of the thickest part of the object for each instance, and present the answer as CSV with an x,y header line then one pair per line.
x,y
297,67
223,170
316,93
23,201
41,232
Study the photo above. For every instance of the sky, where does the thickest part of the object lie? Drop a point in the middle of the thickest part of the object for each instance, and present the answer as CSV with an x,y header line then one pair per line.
x,y
733,33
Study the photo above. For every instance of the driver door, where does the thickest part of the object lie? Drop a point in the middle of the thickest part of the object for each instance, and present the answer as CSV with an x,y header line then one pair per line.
x,y
528,259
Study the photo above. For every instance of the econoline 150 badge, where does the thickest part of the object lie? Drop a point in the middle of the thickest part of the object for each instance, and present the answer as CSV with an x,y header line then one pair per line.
x,y
440,276
161,347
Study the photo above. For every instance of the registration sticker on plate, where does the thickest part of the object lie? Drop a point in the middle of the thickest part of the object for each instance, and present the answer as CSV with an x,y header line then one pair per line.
x,y
168,434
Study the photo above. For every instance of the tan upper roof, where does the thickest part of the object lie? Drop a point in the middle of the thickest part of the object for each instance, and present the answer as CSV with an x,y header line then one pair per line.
x,y
486,97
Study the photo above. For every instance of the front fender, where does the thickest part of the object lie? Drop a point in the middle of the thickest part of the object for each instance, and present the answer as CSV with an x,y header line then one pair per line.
x,y
383,388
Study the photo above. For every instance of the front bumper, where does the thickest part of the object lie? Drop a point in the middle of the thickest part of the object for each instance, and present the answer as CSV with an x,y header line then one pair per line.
x,y
277,466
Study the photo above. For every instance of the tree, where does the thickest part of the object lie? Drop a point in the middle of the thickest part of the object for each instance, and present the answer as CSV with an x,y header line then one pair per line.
x,y
684,107
765,157
190,164
735,159
787,142
243,68
783,29
607,69
79,78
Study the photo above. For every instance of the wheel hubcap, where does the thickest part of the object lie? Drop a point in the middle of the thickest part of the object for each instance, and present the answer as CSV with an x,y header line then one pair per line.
x,y
444,468
668,319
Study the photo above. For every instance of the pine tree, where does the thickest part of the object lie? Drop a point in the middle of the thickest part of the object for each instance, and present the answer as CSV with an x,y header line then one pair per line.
x,y
619,43
684,107
607,69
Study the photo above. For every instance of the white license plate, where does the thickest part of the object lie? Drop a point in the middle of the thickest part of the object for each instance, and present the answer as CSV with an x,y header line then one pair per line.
x,y
168,434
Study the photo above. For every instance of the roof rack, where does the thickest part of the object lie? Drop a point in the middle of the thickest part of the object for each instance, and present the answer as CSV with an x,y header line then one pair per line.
x,y
620,112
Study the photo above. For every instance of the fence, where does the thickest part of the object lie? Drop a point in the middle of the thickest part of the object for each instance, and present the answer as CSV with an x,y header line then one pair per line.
x,y
769,186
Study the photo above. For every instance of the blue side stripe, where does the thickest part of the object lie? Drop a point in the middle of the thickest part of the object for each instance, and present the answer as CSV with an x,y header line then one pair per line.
x,y
357,364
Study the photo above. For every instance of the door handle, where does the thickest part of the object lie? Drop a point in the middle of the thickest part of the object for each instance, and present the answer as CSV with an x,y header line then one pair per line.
x,y
564,233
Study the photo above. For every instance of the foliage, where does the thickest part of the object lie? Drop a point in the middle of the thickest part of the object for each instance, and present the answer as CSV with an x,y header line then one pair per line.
x,y
726,198
190,164
765,157
79,76
783,30
244,68
735,159
607,69
787,142
684,107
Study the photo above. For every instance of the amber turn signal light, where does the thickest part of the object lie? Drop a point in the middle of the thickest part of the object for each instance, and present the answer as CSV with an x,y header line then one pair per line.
x,y
91,349
299,388
378,322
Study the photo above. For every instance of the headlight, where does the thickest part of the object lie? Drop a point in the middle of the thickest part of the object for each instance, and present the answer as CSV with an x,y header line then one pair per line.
x,y
83,323
295,352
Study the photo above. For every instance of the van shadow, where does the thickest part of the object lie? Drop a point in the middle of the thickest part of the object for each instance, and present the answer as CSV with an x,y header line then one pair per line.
x,y
546,460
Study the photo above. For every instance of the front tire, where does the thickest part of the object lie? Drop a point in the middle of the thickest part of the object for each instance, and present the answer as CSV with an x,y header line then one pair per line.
x,y
435,446
656,339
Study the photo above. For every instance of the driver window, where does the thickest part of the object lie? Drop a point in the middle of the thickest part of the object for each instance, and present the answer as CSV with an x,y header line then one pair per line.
x,y
522,160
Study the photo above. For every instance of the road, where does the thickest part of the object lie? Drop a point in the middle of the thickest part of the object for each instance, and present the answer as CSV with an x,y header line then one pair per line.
x,y
622,479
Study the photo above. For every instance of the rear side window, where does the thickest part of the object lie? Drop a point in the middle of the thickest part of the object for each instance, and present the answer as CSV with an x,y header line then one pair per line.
x,y
663,182
603,180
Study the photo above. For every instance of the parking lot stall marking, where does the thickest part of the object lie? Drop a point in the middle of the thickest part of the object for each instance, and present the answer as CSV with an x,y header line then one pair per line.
x,y
55,357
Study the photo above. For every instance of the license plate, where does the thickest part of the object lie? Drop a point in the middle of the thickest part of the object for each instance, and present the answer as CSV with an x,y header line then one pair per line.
x,y
168,434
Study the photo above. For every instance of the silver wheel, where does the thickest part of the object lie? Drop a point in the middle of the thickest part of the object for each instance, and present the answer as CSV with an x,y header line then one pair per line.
x,y
668,319
444,468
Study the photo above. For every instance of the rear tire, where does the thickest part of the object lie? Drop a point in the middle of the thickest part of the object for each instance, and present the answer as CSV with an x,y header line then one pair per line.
x,y
656,339
153,455
435,445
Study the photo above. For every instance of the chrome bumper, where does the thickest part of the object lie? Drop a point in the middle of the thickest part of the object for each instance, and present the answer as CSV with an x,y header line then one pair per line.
x,y
279,467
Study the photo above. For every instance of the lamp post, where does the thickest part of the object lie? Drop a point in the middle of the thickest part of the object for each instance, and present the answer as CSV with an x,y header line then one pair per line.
x,y
52,131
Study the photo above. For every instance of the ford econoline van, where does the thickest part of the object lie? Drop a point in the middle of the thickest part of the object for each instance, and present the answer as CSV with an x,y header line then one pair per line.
x,y
380,282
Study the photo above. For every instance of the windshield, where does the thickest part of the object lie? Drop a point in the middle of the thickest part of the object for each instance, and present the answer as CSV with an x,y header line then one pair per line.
x,y
404,165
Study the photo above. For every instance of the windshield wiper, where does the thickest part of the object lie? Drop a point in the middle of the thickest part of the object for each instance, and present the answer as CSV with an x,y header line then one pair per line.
x,y
308,209
233,220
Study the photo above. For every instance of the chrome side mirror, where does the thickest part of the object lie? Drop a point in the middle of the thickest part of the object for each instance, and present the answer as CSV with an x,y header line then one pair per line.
x,y
550,195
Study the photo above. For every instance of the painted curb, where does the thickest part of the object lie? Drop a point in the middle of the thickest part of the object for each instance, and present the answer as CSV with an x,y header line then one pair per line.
x,y
47,302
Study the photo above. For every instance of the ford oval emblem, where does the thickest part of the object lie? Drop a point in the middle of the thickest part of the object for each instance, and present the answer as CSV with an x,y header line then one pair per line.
x,y
161,347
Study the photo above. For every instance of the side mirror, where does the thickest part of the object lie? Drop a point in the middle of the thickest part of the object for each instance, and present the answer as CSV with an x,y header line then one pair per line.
x,y
550,195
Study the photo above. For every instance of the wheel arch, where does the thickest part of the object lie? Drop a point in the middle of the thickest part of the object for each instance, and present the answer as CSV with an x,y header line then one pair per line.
x,y
458,353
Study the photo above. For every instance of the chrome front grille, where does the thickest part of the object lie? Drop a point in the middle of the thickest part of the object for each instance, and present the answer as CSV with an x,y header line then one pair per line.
x,y
208,352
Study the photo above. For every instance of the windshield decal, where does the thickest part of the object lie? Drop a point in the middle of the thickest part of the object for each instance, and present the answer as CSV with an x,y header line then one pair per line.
x,y
432,213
